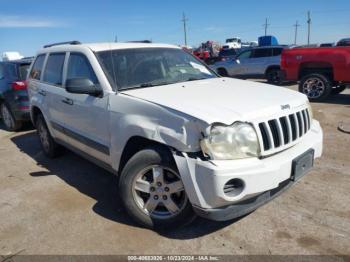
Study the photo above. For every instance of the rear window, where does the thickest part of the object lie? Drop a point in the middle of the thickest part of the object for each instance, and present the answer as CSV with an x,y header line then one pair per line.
x,y
23,71
37,67
54,69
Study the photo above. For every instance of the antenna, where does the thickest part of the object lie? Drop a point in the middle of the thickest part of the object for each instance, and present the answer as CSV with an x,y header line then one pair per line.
x,y
184,20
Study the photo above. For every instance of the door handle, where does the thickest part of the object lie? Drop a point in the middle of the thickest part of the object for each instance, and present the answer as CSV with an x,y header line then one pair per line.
x,y
42,92
68,101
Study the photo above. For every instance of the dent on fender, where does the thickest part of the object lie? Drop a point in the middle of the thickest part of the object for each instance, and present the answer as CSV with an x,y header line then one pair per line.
x,y
154,122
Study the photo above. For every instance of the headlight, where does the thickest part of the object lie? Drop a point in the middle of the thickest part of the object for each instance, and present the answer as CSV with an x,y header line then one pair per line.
x,y
231,142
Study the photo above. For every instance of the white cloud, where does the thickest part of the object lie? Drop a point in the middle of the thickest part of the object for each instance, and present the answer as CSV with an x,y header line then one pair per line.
x,y
12,21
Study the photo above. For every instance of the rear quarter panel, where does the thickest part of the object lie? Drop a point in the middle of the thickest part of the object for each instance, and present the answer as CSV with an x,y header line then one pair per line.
x,y
337,57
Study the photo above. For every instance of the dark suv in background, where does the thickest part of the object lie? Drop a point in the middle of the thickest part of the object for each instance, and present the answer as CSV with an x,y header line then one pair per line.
x,y
14,103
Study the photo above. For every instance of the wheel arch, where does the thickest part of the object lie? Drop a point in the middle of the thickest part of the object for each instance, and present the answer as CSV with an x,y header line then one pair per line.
x,y
35,111
323,68
136,144
272,67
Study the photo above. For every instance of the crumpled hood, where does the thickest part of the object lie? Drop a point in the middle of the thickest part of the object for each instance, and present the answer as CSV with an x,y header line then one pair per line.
x,y
224,100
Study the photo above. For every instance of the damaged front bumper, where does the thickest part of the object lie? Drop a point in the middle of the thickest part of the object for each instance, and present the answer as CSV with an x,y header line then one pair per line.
x,y
260,179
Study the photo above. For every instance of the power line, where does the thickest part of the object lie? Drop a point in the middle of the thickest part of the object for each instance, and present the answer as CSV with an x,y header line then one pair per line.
x,y
266,25
184,20
308,27
296,32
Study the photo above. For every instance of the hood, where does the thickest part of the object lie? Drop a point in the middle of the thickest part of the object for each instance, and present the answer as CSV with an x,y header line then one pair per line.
x,y
223,100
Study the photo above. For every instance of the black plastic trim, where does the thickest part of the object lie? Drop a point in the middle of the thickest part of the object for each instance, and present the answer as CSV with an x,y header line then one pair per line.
x,y
82,139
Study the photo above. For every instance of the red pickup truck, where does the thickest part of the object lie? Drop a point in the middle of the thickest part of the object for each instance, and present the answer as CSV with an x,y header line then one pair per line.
x,y
321,71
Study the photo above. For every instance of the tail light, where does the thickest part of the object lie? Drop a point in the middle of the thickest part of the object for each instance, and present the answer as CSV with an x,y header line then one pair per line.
x,y
19,85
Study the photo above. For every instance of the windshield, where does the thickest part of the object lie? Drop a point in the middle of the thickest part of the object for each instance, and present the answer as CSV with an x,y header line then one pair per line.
x,y
145,67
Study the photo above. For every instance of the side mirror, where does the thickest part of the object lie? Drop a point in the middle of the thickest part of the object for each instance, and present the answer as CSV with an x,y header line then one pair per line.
x,y
82,86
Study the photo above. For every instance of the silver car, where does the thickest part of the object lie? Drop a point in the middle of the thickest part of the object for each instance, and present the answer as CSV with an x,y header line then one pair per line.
x,y
260,62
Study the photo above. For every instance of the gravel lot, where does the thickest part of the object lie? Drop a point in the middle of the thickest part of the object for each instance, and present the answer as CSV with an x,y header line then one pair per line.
x,y
70,206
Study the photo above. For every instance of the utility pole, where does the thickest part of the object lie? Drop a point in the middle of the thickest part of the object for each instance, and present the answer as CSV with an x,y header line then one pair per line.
x,y
266,25
309,27
116,39
296,32
184,20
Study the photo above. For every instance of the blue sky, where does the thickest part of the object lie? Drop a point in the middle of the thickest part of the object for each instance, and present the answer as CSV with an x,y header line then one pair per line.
x,y
25,25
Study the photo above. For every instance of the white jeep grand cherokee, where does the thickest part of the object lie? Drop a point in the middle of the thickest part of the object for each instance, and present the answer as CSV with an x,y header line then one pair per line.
x,y
182,140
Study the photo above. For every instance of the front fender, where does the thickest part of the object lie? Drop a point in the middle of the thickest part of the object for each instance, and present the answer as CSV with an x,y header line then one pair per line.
x,y
136,117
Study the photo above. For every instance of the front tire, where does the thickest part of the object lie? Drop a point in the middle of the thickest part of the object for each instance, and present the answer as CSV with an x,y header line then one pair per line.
x,y
152,191
10,122
222,72
48,144
316,87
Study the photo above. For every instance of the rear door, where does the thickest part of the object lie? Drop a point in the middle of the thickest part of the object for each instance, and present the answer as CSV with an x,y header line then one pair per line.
x,y
259,61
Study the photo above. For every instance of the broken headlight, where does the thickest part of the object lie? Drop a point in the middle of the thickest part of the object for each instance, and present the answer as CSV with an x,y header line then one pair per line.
x,y
231,142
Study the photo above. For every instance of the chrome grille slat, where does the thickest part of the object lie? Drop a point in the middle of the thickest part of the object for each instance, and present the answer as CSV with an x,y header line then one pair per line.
x,y
280,132
279,128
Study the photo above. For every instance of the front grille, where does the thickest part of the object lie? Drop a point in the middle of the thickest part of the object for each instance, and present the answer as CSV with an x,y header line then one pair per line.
x,y
277,133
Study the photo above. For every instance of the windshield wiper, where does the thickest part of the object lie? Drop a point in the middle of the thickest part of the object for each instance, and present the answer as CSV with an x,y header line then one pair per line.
x,y
194,79
144,85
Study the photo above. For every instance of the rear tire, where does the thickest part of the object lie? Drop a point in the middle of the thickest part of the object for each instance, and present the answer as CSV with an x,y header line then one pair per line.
x,y
273,76
10,122
338,89
146,186
48,144
316,87
222,72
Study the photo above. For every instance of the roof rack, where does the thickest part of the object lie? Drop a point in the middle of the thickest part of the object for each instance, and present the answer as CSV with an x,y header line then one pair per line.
x,y
141,41
63,43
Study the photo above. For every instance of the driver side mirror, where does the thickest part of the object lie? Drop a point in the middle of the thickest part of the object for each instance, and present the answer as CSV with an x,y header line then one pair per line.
x,y
82,86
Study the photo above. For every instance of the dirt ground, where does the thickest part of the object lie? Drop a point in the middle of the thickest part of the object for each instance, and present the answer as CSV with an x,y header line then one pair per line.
x,y
70,206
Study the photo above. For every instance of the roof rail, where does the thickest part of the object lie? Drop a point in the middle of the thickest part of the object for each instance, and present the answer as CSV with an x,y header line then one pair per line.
x,y
63,43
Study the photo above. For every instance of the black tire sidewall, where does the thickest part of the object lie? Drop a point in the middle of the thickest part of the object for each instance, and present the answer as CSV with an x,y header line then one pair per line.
x,y
269,76
52,151
222,72
17,124
327,83
150,156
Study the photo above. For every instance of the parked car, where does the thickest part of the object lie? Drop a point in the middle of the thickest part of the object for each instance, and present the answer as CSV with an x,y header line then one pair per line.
x,y
260,62
344,42
182,140
224,54
14,102
320,71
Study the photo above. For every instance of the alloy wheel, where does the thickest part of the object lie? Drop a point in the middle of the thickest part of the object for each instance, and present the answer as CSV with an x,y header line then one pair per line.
x,y
313,88
159,192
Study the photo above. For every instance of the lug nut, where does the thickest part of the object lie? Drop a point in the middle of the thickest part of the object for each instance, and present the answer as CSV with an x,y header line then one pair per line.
x,y
152,189
165,197
155,197
166,189
159,184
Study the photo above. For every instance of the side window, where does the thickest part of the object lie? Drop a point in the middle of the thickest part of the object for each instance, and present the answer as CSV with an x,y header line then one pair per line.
x,y
37,67
54,69
277,51
245,55
262,52
80,67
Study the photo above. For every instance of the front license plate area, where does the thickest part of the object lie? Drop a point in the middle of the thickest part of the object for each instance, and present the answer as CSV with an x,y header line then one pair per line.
x,y
302,164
